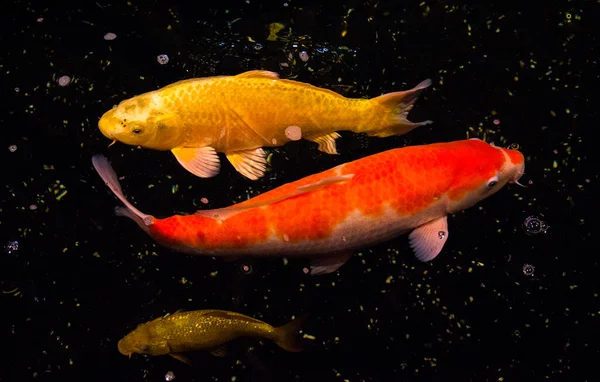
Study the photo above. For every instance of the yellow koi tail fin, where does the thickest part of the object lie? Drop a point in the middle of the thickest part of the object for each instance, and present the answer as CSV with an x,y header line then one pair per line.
x,y
399,105
287,336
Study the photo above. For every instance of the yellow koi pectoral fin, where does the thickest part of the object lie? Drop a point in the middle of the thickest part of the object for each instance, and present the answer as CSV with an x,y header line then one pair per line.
x,y
428,240
330,264
221,351
182,358
203,162
326,142
250,163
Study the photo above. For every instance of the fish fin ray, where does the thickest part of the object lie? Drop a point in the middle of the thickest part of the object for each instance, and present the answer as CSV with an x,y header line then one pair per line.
x,y
227,212
428,239
182,358
399,105
326,142
220,351
201,161
325,265
288,335
259,74
250,163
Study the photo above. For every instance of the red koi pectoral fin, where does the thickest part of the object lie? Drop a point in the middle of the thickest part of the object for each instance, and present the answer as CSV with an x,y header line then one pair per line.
x,y
203,162
250,163
325,265
428,240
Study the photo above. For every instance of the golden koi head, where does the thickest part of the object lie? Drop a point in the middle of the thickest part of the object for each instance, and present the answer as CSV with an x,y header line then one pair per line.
x,y
141,121
142,340
483,171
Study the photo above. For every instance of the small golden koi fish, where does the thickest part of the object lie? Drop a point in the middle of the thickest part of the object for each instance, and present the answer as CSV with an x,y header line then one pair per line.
x,y
210,330
239,115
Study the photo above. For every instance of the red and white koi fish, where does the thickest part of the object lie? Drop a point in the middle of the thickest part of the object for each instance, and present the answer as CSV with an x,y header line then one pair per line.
x,y
326,216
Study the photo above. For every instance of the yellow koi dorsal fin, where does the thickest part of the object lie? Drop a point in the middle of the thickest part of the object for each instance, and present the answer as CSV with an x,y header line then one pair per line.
x,y
227,212
259,74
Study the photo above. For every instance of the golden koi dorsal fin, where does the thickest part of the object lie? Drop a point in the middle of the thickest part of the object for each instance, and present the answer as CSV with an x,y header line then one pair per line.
x,y
225,213
259,74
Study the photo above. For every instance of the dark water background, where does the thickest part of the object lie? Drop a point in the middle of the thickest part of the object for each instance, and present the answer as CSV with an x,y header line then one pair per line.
x,y
82,278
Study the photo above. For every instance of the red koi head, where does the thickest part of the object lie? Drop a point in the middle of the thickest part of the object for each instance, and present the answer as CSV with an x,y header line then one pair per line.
x,y
483,170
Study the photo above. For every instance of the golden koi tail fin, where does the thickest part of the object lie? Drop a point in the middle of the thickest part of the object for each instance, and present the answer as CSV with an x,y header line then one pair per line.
x,y
287,336
399,105
109,176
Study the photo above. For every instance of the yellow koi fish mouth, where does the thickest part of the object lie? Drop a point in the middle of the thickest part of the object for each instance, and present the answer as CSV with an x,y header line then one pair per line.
x,y
122,349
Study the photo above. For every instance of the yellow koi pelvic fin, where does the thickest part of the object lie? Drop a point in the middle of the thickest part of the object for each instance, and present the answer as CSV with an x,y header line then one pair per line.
x,y
221,351
202,162
326,142
259,74
182,358
250,163
225,213
325,265
287,335
428,239
399,104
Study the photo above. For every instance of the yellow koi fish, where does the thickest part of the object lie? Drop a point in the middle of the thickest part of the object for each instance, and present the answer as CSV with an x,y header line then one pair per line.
x,y
207,330
239,115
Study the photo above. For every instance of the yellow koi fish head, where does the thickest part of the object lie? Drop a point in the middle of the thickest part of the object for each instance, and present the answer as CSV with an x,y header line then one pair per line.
x,y
142,340
140,121
483,169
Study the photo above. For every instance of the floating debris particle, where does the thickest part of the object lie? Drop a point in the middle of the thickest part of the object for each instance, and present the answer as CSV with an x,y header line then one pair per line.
x,y
169,376
33,207
40,19
204,200
64,81
11,246
258,46
303,56
12,148
162,59
110,36
528,269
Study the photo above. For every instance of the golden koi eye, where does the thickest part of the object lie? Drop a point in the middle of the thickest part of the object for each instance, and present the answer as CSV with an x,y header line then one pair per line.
x,y
136,130
144,347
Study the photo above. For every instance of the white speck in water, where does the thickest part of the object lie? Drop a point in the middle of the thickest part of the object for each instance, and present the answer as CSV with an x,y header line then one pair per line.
x,y
11,246
40,19
204,200
528,269
12,148
64,81
110,36
169,376
33,207
162,59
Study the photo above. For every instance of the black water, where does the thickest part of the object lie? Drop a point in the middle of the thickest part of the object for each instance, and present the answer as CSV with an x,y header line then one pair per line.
x,y
499,303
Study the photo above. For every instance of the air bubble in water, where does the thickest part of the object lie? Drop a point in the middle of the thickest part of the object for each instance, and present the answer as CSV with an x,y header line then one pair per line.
x,y
528,269
169,376
64,81
162,59
534,225
247,268
11,246
303,56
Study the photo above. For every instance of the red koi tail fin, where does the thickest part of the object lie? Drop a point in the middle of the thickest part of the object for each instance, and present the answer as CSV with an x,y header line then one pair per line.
x,y
109,176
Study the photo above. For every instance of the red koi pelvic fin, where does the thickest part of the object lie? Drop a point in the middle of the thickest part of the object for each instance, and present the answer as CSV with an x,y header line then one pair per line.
x,y
325,265
109,176
399,105
226,213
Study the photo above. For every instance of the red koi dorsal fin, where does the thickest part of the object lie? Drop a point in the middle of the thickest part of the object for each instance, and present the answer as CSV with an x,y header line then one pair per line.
x,y
227,212
259,74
